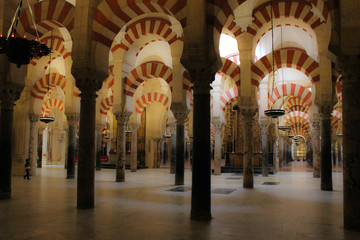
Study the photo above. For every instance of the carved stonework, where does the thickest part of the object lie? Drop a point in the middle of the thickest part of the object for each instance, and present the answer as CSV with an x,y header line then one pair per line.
x,y
325,111
180,112
88,80
72,118
122,117
9,93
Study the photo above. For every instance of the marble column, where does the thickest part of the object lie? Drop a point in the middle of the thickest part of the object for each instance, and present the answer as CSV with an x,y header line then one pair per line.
x,y
351,142
88,83
172,148
201,165
122,118
326,164
217,161
33,143
39,146
8,95
248,114
316,148
70,169
180,114
134,137
98,136
265,149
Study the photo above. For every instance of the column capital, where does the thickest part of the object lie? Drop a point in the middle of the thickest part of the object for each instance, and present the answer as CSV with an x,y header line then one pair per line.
x,y
264,127
133,126
325,111
248,112
33,118
88,80
348,65
72,118
180,112
122,117
9,93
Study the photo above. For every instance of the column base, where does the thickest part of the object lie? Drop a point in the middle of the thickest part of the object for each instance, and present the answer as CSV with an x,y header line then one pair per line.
x,y
70,177
133,170
177,183
326,187
200,216
120,180
5,194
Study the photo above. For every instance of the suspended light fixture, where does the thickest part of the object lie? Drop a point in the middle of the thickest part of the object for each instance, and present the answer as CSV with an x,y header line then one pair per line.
x,y
20,50
273,113
284,127
50,118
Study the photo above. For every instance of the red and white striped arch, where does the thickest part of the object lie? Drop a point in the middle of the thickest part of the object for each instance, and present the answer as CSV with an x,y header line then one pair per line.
x,y
281,9
149,98
186,81
300,130
297,117
212,131
337,114
145,27
291,89
334,122
296,104
144,72
48,14
286,58
106,104
111,16
47,106
227,96
41,86
231,69
295,9
57,47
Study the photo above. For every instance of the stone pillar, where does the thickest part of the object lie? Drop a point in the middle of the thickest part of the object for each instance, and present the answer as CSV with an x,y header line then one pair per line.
x,y
39,146
351,142
180,114
264,149
8,95
88,83
248,114
326,164
316,148
217,161
71,119
133,162
99,129
201,165
173,149
33,144
122,118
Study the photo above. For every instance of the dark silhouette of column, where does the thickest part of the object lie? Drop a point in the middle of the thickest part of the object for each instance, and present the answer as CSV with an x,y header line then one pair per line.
x,y
98,136
351,142
88,81
316,148
9,93
180,114
70,169
134,137
326,164
248,113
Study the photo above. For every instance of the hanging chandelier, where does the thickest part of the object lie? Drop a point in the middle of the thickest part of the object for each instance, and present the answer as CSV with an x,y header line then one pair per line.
x,y
273,113
284,127
20,50
50,118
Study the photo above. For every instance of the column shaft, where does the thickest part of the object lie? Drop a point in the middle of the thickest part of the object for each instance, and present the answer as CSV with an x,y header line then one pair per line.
x,y
217,160
201,166
86,159
33,144
264,149
70,170
133,162
248,168
316,149
351,144
122,119
173,154
326,164
99,129
180,153
6,147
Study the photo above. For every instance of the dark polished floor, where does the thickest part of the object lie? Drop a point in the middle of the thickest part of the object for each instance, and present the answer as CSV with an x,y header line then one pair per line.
x,y
143,208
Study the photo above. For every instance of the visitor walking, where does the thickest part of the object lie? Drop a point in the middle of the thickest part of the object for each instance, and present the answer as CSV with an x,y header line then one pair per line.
x,y
27,169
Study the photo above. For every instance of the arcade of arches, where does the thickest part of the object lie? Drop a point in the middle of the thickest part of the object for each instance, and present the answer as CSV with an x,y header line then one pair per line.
x,y
178,84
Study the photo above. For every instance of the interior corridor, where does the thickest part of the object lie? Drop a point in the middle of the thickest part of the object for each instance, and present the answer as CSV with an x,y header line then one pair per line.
x,y
143,208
